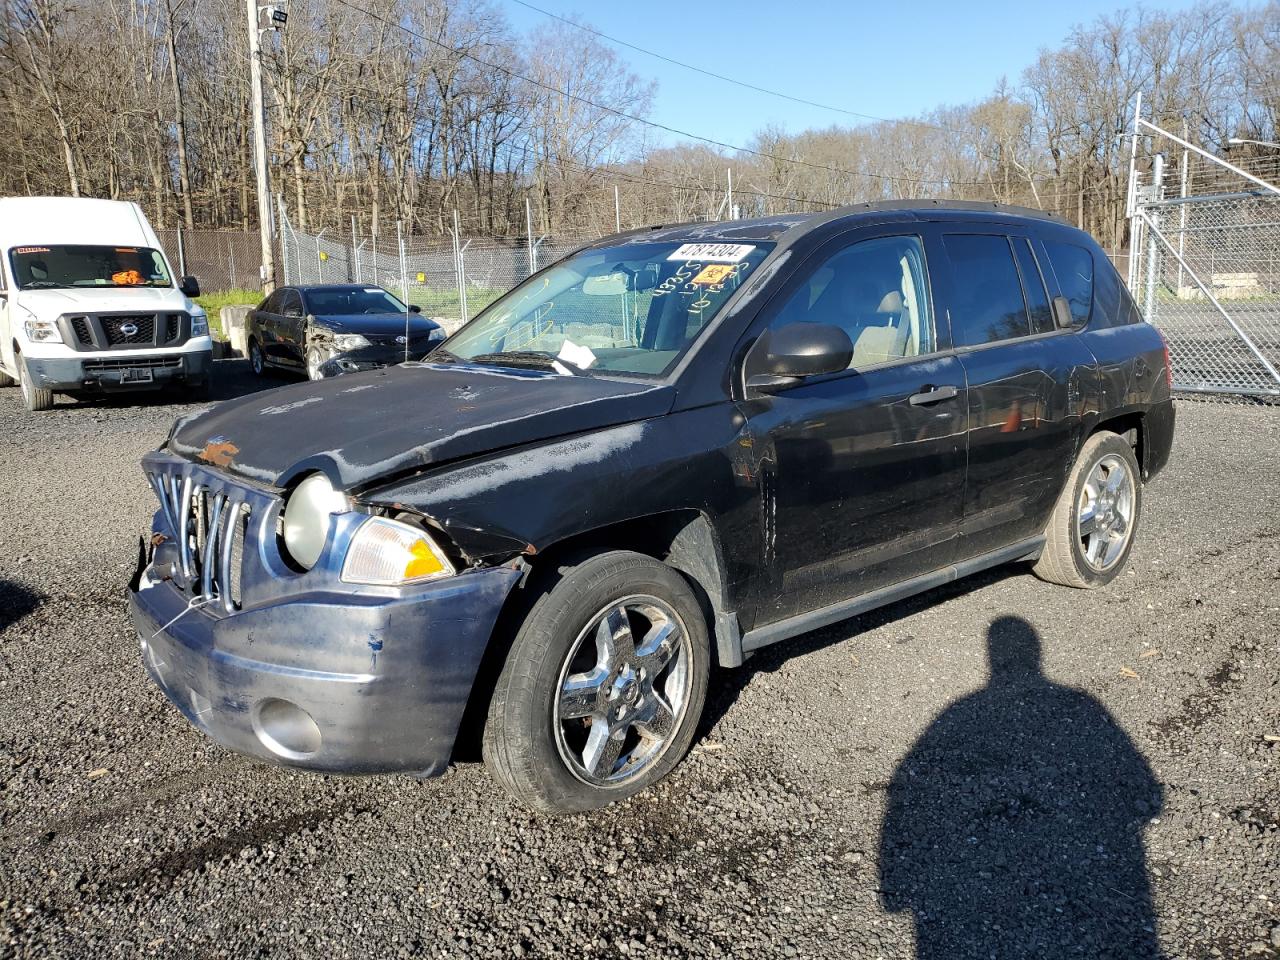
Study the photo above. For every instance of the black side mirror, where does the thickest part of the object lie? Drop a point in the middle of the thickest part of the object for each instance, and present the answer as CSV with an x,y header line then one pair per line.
x,y
1062,313
414,308
189,286
800,350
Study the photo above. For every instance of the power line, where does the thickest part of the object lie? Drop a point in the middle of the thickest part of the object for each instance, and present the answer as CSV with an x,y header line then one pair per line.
x,y
892,178
719,76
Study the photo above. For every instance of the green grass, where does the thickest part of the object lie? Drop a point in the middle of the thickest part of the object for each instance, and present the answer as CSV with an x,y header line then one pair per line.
x,y
215,301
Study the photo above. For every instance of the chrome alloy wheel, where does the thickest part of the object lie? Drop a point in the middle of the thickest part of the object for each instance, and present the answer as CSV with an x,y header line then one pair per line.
x,y
314,360
620,699
1105,513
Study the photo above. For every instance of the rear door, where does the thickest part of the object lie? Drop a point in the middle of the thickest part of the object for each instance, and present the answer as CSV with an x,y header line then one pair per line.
x,y
1027,379
861,473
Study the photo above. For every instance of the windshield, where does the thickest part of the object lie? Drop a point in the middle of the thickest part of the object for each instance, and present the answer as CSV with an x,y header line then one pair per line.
x,y
84,266
628,309
342,302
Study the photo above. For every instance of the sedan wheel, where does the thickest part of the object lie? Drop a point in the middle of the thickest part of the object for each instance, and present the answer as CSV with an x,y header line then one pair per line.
x,y
315,359
256,361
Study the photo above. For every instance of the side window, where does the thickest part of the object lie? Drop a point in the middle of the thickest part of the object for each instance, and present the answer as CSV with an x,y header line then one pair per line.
x,y
271,304
292,305
1073,267
1034,288
988,304
877,292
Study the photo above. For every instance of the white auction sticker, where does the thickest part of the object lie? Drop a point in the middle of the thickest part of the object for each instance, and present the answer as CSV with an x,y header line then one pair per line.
x,y
712,252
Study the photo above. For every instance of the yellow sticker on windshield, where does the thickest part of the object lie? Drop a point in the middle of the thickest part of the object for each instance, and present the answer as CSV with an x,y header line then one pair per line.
x,y
714,273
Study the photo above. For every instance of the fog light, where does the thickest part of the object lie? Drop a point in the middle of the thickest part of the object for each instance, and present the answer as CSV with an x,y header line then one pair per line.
x,y
286,729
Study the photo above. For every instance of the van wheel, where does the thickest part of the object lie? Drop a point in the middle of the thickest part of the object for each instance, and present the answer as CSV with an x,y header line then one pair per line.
x,y
1090,533
257,363
35,398
5,379
603,687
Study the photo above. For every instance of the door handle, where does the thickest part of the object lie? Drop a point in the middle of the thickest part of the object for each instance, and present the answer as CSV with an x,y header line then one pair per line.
x,y
932,395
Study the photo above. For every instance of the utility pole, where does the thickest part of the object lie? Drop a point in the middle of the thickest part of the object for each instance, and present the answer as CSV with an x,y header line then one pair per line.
x,y
732,215
260,145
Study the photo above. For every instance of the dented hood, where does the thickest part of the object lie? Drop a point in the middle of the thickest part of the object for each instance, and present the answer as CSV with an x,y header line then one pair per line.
x,y
367,427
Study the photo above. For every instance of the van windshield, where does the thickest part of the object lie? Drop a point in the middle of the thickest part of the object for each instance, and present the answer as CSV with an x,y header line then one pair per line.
x,y
42,267
630,309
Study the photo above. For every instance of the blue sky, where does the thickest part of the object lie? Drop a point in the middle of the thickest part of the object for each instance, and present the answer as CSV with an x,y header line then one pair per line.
x,y
890,59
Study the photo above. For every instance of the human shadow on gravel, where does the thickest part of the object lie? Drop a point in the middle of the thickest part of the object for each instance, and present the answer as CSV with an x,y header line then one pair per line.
x,y
16,601
1013,828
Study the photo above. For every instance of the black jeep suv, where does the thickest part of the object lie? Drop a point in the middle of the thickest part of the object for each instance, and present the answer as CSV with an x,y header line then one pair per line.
x,y
664,452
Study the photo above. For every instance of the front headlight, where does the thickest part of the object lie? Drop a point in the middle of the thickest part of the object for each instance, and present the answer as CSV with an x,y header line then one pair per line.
x,y
349,341
199,325
306,518
389,553
42,331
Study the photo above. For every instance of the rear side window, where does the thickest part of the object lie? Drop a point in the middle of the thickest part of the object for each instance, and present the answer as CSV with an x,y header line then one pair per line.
x,y
987,303
1073,267
271,304
1033,286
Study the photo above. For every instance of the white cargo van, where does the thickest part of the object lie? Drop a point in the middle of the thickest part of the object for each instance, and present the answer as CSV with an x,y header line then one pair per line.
x,y
88,303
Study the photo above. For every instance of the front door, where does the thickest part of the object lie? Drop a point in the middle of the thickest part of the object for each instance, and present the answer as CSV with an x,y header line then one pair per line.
x,y
861,473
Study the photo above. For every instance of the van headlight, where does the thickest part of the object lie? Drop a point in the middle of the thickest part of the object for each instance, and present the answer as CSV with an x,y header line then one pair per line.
x,y
306,518
42,331
199,325
390,553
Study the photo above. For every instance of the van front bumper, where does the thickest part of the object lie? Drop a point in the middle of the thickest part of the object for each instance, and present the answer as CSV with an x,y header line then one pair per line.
x,y
338,683
124,372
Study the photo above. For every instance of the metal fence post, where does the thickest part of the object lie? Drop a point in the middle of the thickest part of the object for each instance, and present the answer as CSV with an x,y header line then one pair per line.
x,y
1157,182
319,258
284,244
458,268
404,270
182,253
528,222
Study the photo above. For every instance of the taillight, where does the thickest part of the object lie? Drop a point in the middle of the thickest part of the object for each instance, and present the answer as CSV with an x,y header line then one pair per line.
x,y
1168,364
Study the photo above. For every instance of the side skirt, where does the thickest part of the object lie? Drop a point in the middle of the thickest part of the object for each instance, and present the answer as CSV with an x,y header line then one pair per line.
x,y
825,616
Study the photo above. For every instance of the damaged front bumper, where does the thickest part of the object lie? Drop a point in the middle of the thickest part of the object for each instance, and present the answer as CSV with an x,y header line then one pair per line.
x,y
325,676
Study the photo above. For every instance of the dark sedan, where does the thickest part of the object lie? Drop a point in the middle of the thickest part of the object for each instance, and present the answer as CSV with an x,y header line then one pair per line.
x,y
331,329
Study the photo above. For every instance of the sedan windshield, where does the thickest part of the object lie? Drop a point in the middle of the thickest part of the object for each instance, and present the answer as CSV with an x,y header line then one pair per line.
x,y
37,267
346,301
628,309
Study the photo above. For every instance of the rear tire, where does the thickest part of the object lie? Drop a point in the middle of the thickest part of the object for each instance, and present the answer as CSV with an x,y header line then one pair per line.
x,y
257,362
1091,531
586,712
35,398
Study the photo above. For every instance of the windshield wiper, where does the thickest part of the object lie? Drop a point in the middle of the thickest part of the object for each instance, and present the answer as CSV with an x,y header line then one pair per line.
x,y
43,285
533,359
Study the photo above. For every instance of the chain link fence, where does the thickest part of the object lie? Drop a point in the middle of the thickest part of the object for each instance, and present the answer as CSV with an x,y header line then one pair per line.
x,y
219,259
451,278
1207,272
1204,266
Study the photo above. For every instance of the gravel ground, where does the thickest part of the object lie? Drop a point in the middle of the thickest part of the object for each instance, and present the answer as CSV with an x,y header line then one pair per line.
x,y
876,789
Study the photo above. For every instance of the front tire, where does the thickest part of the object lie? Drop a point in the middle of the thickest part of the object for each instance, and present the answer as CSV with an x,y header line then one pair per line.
x,y
315,359
603,687
34,398
1091,531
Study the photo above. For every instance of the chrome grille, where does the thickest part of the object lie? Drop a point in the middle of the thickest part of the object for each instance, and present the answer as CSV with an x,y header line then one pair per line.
x,y
209,520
